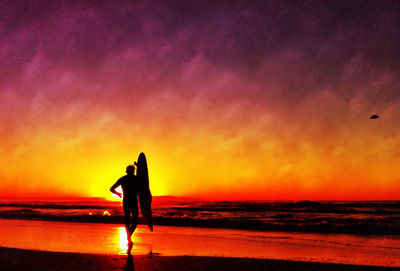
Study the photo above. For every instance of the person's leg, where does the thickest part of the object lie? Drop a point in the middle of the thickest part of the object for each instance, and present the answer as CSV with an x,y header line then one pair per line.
x,y
135,214
127,215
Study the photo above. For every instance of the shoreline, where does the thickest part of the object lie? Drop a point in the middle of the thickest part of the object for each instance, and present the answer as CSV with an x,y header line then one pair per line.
x,y
173,241
368,229
23,259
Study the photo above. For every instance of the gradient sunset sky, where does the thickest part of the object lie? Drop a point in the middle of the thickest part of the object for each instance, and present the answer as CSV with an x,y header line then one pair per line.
x,y
228,99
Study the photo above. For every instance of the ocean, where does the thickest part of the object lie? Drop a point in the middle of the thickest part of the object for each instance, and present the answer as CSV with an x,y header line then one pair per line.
x,y
353,217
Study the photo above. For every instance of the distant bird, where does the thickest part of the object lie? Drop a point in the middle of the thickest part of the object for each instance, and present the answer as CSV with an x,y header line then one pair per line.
x,y
374,116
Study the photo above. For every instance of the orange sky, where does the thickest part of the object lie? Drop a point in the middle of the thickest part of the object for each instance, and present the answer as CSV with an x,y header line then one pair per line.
x,y
226,102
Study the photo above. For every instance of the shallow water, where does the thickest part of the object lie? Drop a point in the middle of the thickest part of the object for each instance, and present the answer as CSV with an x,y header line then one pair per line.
x,y
352,217
175,241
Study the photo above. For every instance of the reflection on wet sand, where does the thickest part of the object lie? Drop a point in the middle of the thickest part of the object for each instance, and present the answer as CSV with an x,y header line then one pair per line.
x,y
176,241
123,240
129,264
126,247
137,245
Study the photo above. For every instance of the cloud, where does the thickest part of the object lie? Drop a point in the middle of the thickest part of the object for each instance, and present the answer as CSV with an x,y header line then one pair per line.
x,y
241,81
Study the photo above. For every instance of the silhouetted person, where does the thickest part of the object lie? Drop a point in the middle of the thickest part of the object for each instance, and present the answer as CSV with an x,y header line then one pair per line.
x,y
129,184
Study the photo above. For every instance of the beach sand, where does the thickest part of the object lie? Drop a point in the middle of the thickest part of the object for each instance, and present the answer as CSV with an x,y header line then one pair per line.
x,y
21,259
98,238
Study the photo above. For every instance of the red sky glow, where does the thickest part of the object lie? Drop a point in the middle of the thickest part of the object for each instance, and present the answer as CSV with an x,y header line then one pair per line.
x,y
228,99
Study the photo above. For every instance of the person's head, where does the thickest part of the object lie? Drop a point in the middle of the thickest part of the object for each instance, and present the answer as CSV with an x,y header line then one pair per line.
x,y
130,170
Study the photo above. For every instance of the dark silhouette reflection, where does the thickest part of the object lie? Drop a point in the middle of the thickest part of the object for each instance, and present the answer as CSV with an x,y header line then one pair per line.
x,y
129,264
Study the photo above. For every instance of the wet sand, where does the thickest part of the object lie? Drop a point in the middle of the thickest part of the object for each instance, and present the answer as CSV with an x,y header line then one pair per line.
x,y
201,242
20,259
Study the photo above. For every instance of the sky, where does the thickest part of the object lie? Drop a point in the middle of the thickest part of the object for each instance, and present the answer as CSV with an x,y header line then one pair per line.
x,y
266,100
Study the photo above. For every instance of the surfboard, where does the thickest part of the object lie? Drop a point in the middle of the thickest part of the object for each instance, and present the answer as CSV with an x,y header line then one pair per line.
x,y
145,196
